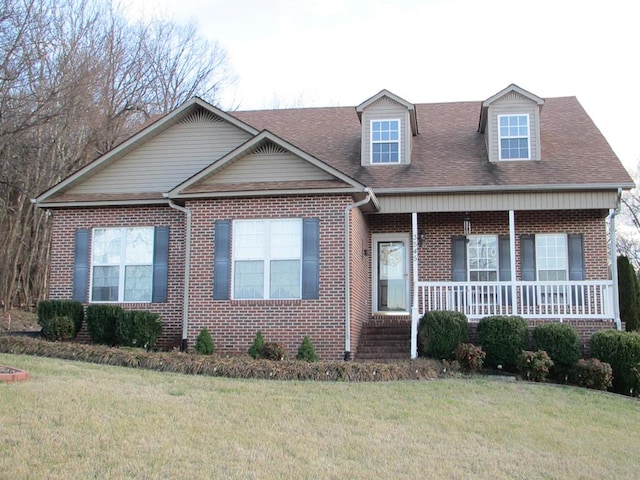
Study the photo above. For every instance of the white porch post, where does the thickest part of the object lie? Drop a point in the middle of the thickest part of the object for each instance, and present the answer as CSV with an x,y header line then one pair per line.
x,y
414,299
512,261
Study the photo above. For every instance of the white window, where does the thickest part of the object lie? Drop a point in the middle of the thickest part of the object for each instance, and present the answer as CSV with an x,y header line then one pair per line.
x,y
551,257
122,265
385,141
482,257
514,137
267,259
552,265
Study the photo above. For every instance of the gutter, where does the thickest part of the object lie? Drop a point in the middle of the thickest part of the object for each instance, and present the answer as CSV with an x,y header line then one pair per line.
x,y
187,263
614,261
347,273
505,188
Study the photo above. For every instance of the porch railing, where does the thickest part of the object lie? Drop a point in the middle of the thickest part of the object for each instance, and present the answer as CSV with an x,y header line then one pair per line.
x,y
553,300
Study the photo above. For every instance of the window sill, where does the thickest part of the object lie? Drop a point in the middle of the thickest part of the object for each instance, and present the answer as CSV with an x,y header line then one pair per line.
x,y
266,302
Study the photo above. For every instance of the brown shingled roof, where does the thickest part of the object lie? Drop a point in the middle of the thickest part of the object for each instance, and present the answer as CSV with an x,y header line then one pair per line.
x,y
449,152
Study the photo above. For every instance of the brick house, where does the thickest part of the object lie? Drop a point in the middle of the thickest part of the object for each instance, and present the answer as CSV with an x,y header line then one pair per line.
x,y
329,221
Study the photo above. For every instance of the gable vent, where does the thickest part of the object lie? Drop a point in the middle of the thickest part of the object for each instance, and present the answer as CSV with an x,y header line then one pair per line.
x,y
511,96
269,149
384,101
201,116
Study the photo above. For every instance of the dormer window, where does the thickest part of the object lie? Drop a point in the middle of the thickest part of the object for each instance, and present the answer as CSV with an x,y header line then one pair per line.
x,y
514,137
385,141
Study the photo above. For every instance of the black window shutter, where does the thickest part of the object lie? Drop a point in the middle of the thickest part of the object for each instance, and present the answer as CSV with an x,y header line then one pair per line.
x,y
504,266
459,259
528,261
576,257
504,258
310,258
222,259
160,264
576,264
81,265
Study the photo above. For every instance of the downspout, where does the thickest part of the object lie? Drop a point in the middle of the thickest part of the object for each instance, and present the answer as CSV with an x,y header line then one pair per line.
x,y
347,273
187,263
614,261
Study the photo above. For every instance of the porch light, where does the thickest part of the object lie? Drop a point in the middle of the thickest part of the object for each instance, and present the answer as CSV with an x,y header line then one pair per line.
x,y
467,223
422,240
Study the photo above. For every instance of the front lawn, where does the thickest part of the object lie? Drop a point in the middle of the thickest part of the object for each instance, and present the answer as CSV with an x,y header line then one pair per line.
x,y
78,420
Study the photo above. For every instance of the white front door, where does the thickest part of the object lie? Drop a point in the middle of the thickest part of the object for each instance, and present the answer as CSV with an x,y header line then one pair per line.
x,y
391,273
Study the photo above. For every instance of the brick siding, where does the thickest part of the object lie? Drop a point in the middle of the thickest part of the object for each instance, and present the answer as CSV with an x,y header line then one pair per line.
x,y
234,323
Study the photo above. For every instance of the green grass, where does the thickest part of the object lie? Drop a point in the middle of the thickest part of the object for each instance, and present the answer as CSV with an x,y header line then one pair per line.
x,y
77,420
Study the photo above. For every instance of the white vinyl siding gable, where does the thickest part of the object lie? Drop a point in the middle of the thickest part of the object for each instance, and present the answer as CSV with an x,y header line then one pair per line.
x,y
386,109
166,160
508,106
269,167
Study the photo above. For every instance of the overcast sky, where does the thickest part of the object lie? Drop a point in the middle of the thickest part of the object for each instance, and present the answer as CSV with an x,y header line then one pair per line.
x,y
341,52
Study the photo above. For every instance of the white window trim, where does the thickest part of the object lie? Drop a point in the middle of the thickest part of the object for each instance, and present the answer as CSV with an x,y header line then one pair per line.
x,y
371,141
122,266
500,137
266,258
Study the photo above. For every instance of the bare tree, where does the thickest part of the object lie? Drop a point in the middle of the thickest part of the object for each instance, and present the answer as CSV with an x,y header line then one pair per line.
x,y
76,79
628,230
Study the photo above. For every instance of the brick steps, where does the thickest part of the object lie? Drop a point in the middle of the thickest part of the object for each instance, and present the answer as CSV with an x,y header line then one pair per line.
x,y
385,339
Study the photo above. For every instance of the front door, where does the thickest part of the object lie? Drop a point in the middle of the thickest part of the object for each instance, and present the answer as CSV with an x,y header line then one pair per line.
x,y
391,291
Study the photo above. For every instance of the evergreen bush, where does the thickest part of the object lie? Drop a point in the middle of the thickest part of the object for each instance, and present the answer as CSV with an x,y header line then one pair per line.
x,y
621,350
562,343
48,309
628,294
255,349
306,351
138,328
204,343
60,327
102,321
440,332
503,338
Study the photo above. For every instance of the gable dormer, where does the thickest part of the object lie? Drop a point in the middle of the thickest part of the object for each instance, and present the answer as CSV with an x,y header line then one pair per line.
x,y
510,122
388,123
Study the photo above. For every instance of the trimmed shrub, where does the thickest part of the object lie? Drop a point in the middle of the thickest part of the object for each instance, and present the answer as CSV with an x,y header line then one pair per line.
x,y
273,351
562,343
60,327
503,338
204,343
470,358
256,348
592,373
628,294
306,351
138,328
621,350
534,366
48,309
102,321
440,332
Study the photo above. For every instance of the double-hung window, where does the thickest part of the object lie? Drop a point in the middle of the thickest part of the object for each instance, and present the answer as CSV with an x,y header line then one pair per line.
x,y
267,259
514,138
552,265
122,264
385,141
482,254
